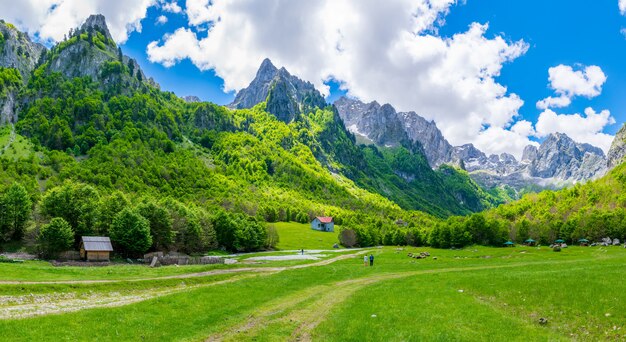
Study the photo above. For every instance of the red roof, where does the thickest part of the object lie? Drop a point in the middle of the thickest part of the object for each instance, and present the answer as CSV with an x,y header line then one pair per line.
x,y
325,219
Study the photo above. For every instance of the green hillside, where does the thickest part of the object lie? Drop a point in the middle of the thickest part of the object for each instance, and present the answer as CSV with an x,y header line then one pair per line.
x,y
591,211
87,146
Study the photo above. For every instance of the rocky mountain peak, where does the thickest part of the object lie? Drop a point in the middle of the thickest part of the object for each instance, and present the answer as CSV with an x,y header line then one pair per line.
x,y
617,152
287,96
97,22
529,154
385,127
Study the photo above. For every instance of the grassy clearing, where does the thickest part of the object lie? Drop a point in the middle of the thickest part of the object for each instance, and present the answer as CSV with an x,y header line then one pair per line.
x,y
294,235
20,147
504,293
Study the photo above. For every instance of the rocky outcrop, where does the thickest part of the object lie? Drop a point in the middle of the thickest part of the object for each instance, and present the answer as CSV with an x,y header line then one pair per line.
x,y
379,124
286,95
90,51
616,153
561,157
383,126
18,51
191,99
8,114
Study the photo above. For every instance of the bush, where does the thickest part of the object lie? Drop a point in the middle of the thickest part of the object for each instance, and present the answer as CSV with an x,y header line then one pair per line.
x,y
55,237
131,233
347,238
272,237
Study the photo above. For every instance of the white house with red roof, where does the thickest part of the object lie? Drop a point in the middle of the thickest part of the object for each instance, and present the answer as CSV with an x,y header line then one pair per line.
x,y
323,224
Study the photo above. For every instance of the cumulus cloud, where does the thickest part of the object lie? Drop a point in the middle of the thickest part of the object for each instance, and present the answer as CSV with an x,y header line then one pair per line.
x,y
586,128
386,51
171,7
622,6
50,20
161,20
569,83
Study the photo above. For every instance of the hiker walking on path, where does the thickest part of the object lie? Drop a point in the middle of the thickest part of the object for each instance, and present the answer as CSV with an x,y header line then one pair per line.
x,y
371,259
365,260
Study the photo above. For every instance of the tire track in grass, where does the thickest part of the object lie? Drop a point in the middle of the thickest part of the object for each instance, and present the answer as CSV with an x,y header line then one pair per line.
x,y
321,299
317,300
323,291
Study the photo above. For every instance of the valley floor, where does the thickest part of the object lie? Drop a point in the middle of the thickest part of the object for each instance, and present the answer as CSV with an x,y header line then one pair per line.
x,y
472,294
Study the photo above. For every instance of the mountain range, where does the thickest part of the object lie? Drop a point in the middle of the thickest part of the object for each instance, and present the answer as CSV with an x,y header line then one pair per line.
x,y
93,116
558,160
277,145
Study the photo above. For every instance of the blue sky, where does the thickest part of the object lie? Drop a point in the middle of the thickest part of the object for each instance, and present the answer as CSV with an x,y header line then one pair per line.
x,y
477,67
559,32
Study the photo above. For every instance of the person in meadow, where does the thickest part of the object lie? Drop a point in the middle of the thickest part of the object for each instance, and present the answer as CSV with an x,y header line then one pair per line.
x,y
371,259
365,260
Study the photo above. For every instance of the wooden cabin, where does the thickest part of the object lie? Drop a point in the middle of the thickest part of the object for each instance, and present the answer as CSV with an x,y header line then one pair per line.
x,y
95,248
323,223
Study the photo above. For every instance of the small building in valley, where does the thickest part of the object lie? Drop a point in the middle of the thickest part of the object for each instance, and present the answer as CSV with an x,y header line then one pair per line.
x,y
95,248
323,224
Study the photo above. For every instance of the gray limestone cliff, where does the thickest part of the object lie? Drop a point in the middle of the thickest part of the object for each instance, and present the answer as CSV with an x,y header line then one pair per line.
x,y
383,126
616,153
286,95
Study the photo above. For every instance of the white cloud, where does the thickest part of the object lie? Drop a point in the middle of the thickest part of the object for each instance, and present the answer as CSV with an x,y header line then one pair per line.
x,y
199,12
52,19
171,7
386,51
569,83
585,128
161,20
622,6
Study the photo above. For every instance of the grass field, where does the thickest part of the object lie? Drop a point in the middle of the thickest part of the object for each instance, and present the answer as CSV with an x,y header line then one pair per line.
x,y
14,146
465,295
294,235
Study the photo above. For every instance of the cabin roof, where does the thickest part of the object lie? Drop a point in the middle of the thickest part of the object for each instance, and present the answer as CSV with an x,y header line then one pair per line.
x,y
325,219
97,244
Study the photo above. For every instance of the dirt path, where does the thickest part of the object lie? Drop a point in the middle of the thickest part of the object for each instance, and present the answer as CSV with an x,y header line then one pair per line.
x,y
194,275
49,304
303,310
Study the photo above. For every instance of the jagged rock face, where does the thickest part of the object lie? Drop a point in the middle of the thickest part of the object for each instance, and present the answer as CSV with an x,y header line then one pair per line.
x,y
618,149
529,154
191,99
437,149
82,55
286,95
379,124
8,114
561,157
385,127
18,51
97,22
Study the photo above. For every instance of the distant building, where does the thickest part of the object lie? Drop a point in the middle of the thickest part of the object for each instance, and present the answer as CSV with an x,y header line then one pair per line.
x,y
323,224
95,248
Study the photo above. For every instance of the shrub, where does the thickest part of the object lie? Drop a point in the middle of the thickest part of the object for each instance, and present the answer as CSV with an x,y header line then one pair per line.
x,y
272,237
347,238
55,237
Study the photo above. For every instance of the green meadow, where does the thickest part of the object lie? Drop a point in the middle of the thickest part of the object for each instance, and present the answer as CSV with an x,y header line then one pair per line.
x,y
293,235
477,293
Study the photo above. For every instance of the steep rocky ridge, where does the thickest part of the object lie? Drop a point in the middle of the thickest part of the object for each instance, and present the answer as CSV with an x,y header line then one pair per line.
x,y
616,153
17,51
286,95
90,51
557,161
